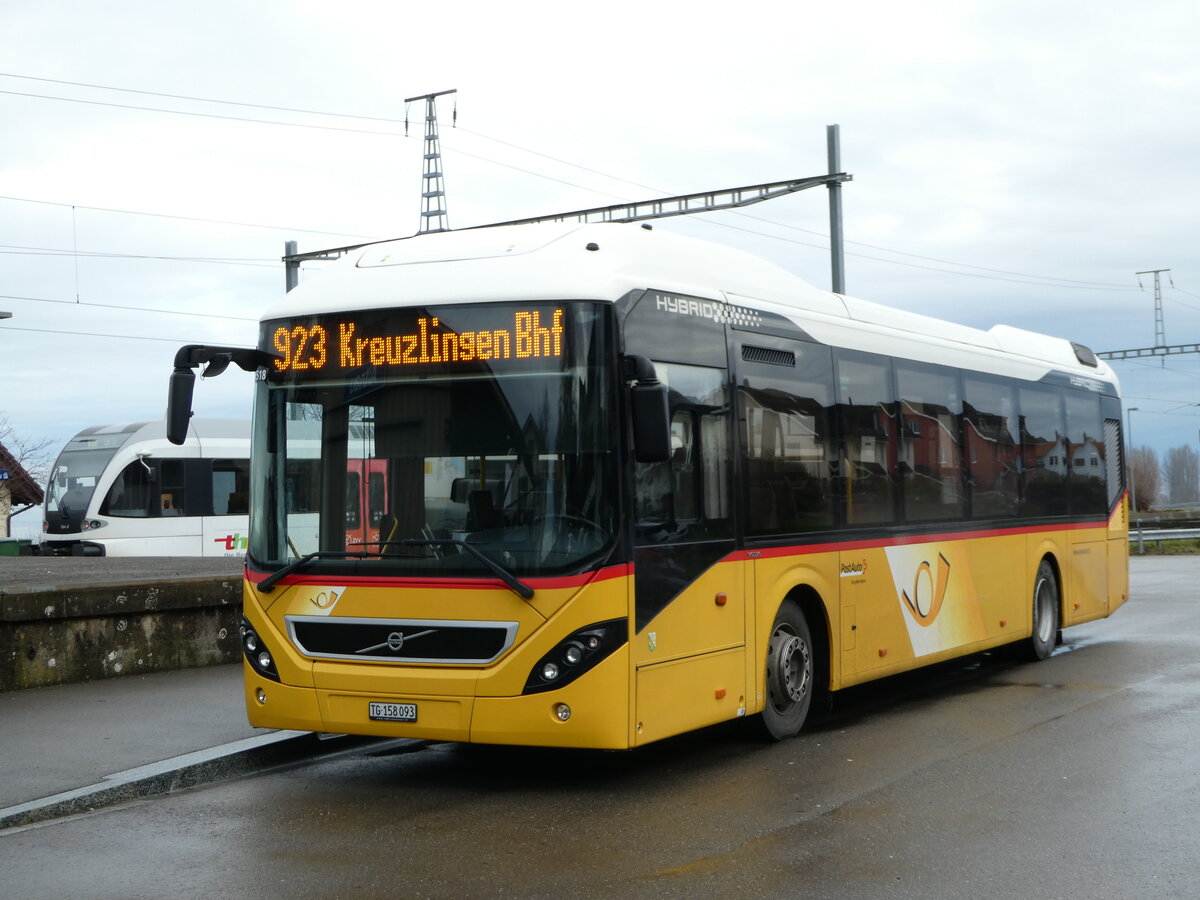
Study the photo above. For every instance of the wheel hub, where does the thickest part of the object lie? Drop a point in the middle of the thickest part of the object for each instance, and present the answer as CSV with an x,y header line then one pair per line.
x,y
789,670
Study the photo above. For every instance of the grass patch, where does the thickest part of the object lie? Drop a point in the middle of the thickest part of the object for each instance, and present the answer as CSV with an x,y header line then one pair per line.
x,y
1166,548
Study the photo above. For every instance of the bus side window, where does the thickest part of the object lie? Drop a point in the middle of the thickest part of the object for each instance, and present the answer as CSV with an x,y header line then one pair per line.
x,y
867,429
785,397
992,446
1044,452
1085,433
930,442
687,497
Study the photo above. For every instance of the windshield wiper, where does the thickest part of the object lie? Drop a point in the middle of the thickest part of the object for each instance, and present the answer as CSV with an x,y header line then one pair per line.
x,y
268,584
522,590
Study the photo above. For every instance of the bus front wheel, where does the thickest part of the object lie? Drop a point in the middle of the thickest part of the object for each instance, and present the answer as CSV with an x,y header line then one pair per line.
x,y
1046,616
790,674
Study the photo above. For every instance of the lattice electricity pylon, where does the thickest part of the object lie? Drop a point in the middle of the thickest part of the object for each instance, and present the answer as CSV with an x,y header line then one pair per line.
x,y
433,185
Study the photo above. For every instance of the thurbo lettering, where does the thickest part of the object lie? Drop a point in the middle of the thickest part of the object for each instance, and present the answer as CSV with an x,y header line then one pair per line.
x,y
232,541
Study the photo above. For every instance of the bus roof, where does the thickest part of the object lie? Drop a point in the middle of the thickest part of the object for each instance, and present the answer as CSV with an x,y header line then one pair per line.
x,y
606,261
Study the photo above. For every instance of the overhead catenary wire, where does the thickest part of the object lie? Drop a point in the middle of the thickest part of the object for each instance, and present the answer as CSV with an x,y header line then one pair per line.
x,y
17,250
137,212
1000,274
92,334
85,304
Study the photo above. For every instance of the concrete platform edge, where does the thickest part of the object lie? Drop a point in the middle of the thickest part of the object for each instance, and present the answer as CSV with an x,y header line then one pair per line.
x,y
233,760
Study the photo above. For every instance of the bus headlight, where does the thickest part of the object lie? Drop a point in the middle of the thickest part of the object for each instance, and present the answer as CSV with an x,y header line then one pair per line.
x,y
575,654
255,652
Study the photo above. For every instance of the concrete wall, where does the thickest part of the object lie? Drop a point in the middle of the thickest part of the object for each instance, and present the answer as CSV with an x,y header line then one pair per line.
x,y
67,634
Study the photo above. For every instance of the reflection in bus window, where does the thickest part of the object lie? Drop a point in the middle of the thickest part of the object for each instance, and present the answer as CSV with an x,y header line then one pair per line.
x,y
992,447
931,449
1043,452
867,424
687,497
1086,466
789,444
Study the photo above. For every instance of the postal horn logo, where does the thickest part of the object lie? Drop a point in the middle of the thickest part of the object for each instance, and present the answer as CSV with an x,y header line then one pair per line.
x,y
928,591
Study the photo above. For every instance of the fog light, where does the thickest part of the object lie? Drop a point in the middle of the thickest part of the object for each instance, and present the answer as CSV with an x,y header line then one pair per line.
x,y
550,671
562,712
264,659
261,696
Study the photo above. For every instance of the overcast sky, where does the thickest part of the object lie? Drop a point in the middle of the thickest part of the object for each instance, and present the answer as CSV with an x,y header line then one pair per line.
x,y
1013,162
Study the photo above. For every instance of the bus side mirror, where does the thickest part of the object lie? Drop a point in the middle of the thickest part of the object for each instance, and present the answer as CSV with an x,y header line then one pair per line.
x,y
651,413
179,404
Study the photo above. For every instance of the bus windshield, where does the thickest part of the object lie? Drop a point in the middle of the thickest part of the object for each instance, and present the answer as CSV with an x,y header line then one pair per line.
x,y
387,471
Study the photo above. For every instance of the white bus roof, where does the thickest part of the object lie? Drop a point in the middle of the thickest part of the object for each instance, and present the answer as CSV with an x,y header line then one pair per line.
x,y
606,261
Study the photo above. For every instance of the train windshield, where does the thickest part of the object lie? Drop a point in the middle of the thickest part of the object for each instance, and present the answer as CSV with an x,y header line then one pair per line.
x,y
76,473
492,447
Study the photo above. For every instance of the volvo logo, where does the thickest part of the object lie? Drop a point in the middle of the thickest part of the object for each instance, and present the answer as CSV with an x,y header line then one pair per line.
x,y
395,641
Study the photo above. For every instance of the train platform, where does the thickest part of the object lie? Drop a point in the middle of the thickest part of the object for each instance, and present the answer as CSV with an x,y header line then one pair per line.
x,y
26,574
72,748
72,737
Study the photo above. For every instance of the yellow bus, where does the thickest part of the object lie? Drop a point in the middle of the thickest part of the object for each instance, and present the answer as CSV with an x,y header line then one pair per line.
x,y
631,484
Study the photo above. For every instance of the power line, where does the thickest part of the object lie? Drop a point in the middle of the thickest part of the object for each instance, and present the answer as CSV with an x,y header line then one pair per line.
x,y
92,334
17,250
1014,276
83,303
104,87
202,115
136,212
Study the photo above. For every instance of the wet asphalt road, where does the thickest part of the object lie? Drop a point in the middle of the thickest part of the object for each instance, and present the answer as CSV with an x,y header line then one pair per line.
x,y
1074,777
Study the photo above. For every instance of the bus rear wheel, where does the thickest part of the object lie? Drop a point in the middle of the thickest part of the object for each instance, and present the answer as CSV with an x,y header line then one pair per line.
x,y
790,674
1046,621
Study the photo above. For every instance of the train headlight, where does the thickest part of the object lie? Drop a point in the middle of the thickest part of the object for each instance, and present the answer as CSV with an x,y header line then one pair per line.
x,y
575,654
93,524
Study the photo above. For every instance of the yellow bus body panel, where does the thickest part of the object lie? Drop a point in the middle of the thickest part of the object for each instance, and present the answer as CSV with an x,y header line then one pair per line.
x,y
483,703
887,608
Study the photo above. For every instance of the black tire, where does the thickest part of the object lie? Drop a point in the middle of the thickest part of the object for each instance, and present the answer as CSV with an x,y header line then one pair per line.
x,y
1046,613
790,674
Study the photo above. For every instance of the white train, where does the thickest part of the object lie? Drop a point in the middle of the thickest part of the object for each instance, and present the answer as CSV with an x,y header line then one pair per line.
x,y
125,490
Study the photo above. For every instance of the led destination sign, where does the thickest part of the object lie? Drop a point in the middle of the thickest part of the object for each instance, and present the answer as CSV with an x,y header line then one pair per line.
x,y
399,342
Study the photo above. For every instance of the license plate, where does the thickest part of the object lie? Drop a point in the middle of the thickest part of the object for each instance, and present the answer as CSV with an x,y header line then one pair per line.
x,y
392,712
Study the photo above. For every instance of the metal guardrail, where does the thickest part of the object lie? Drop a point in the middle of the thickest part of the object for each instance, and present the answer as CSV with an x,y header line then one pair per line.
x,y
1164,534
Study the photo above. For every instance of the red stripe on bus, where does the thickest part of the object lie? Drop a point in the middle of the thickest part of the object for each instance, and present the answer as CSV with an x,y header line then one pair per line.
x,y
904,540
474,584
